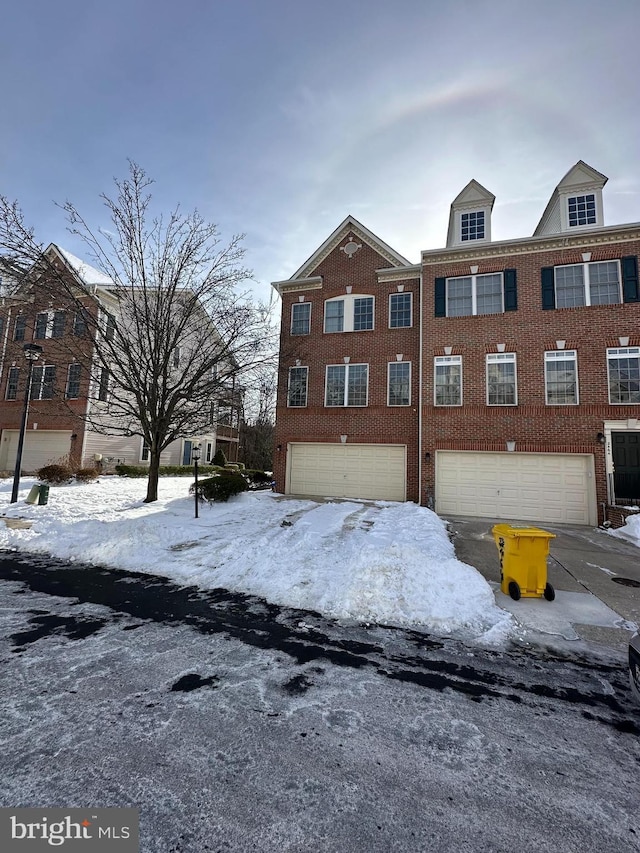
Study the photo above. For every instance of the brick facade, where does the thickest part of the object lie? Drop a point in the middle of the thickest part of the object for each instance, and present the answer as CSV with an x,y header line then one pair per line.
x,y
524,327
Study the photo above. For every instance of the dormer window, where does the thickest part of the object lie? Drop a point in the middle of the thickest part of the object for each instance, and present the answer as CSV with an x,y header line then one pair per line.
x,y
582,210
472,226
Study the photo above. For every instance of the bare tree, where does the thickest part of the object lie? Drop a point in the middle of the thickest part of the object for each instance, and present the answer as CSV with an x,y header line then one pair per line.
x,y
177,332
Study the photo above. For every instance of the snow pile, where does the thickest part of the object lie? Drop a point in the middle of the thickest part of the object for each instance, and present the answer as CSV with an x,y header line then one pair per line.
x,y
630,531
371,562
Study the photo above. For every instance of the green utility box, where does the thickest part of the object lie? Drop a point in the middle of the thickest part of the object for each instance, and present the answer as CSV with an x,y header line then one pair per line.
x,y
43,497
523,561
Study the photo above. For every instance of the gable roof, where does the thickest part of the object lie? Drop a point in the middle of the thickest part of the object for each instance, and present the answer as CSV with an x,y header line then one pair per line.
x,y
88,275
474,195
350,225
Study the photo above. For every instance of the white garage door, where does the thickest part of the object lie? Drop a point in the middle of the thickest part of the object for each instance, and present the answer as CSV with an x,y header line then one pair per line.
x,y
550,487
371,471
41,447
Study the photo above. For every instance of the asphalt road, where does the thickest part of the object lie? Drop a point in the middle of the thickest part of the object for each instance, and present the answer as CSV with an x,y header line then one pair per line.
x,y
235,725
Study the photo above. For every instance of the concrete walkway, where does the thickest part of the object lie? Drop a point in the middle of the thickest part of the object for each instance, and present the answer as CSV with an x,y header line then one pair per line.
x,y
590,606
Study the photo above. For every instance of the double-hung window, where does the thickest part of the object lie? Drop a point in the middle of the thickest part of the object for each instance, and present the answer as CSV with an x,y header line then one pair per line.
x,y
501,379
587,284
42,381
475,294
447,380
12,383
80,323
400,311
349,314
298,387
109,327
561,378
624,374
20,328
103,385
347,385
301,318
72,391
399,383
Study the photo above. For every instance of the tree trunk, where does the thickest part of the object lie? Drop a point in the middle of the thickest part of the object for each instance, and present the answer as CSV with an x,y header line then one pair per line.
x,y
152,482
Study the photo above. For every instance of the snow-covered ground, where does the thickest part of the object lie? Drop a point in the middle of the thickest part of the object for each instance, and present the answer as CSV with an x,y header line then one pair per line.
x,y
630,531
371,562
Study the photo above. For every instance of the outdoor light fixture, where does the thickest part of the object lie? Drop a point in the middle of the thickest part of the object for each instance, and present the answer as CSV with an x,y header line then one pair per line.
x,y
196,450
511,445
427,457
32,353
600,438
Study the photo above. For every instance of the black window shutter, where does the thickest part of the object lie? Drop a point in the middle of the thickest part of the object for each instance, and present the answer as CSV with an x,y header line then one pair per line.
x,y
441,297
548,289
630,279
510,291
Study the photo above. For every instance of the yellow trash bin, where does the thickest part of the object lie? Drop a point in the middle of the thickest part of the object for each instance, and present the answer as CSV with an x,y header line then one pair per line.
x,y
523,561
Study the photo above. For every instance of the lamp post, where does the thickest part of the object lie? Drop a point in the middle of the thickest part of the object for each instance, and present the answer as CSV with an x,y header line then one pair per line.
x,y
195,455
31,353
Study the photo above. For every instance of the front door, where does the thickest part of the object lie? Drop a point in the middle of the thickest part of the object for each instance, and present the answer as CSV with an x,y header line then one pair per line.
x,y
626,464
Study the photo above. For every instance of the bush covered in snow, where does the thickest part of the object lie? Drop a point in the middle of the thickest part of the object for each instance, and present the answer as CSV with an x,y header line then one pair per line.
x,y
55,475
86,475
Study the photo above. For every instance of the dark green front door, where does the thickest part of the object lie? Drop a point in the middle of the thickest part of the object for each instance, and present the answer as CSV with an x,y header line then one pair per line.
x,y
626,463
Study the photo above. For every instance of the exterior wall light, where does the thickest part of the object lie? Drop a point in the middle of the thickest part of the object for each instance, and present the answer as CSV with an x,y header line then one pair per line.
x,y
511,445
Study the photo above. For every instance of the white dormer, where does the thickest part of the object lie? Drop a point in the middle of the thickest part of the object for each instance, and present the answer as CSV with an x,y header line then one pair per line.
x,y
576,203
470,217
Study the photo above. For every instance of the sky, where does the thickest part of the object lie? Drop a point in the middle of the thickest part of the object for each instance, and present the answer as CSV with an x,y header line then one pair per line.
x,y
277,119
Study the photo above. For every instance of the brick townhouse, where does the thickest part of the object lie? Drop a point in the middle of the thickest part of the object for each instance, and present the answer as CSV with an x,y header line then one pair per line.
x,y
496,378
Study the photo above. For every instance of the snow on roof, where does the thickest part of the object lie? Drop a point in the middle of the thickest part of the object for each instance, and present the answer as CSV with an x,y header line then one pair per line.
x,y
89,275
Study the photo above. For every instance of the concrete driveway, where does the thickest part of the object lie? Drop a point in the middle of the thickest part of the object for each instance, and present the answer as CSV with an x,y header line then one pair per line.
x,y
596,577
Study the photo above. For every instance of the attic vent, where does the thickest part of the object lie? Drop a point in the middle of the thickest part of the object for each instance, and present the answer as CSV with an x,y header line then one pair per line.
x,y
351,247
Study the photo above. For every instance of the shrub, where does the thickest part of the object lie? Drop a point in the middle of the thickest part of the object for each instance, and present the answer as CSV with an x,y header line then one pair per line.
x,y
219,458
258,479
164,470
221,487
86,475
55,475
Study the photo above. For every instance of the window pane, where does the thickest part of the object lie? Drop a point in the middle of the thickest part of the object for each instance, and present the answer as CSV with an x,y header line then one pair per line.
x,y
472,226
41,325
363,314
334,316
300,318
400,310
501,381
79,323
459,302
604,286
561,379
59,320
624,377
298,386
21,324
489,294
399,391
357,384
582,210
48,380
73,382
448,381
12,383
335,385
569,286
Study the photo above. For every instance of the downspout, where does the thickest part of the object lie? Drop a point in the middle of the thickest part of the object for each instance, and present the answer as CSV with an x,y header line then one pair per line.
x,y
420,360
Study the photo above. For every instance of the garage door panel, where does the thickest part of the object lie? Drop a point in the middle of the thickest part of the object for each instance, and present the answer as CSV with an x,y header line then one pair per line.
x,y
538,487
368,471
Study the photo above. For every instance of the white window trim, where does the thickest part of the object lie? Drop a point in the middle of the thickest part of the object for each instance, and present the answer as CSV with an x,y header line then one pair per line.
x,y
502,358
564,209
297,305
552,357
613,352
586,281
474,294
349,302
447,359
306,396
346,404
389,366
487,225
408,293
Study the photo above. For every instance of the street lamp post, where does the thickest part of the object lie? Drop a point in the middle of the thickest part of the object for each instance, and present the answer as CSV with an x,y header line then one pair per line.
x,y
31,353
195,455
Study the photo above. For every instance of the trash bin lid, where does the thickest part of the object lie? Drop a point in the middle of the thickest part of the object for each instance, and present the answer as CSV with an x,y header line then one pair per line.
x,y
515,531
